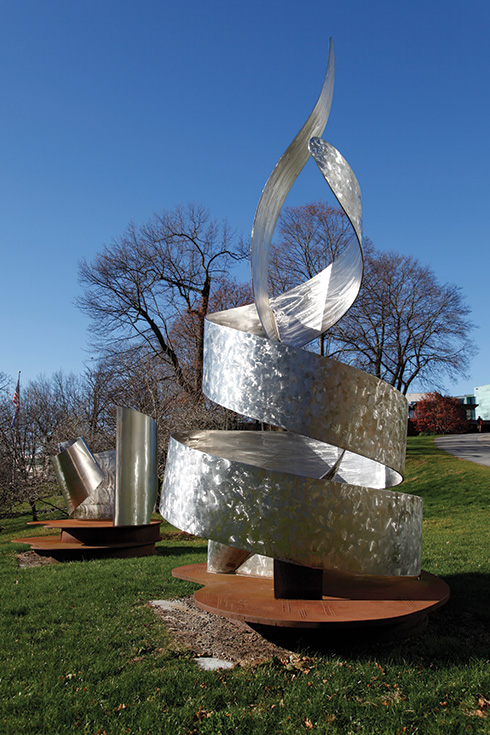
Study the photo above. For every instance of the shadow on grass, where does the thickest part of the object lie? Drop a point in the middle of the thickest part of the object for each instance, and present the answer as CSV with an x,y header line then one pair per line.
x,y
456,633
424,449
179,550
18,523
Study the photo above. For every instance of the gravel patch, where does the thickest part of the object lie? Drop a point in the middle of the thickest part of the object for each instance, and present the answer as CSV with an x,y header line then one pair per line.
x,y
211,636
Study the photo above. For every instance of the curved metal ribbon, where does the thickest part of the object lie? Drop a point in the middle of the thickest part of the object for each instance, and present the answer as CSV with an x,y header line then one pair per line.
x,y
316,494
275,192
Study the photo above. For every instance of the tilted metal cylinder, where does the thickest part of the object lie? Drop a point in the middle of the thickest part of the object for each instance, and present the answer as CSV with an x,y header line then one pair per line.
x,y
77,472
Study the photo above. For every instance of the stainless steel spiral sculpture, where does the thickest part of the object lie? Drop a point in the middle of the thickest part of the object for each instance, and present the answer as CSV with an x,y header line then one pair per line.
x,y
315,494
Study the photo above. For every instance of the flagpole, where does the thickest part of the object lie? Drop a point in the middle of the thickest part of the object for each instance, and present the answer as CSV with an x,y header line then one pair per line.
x,y
15,429
16,401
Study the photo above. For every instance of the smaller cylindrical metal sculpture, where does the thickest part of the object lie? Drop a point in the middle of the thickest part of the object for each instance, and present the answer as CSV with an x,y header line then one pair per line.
x,y
136,468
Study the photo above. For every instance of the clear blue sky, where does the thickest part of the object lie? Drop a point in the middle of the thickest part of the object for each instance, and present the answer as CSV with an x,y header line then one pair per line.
x,y
112,110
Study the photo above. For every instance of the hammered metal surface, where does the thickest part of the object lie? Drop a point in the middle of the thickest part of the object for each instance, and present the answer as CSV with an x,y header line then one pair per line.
x,y
297,390
297,519
315,494
100,503
136,468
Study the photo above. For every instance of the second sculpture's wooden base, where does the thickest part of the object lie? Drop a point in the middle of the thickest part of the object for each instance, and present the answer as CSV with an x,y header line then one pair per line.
x,y
349,600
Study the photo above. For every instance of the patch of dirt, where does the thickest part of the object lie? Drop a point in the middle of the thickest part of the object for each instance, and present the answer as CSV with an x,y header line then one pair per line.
x,y
205,634
176,536
31,559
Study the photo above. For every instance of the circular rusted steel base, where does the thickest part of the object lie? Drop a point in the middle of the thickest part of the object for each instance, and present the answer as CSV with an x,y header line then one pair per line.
x,y
93,539
349,600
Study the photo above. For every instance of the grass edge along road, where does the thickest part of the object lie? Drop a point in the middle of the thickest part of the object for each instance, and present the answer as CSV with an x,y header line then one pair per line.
x,y
82,652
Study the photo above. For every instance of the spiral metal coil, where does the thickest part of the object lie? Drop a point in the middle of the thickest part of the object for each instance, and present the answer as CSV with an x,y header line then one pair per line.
x,y
317,494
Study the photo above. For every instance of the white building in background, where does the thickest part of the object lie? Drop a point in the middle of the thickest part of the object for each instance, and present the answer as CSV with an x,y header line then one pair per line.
x,y
470,401
482,400
412,400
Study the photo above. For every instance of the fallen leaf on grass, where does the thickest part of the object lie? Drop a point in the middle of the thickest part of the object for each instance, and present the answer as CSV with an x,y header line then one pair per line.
x,y
482,709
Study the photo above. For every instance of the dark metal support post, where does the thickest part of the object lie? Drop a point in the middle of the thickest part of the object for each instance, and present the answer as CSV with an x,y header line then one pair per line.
x,y
295,582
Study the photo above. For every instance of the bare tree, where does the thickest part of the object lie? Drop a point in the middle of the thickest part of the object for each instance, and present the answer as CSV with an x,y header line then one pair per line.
x,y
54,407
185,332
404,325
49,411
138,380
52,410
309,238
6,416
142,381
153,276
100,399
5,383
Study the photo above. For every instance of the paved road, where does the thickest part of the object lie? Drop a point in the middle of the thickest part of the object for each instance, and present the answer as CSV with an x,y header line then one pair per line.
x,y
472,447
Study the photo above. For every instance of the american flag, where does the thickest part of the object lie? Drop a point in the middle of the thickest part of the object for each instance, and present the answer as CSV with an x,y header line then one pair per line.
x,y
16,400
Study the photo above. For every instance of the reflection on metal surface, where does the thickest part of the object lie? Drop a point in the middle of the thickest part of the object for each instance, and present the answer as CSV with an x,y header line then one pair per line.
x,y
228,497
100,503
275,192
224,559
78,473
315,494
136,468
118,484
257,566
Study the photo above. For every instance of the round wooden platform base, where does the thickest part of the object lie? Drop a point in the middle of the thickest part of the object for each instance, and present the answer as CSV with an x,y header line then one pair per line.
x,y
93,540
395,606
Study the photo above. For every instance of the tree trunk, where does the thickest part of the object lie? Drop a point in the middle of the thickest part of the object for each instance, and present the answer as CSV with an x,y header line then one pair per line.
x,y
32,503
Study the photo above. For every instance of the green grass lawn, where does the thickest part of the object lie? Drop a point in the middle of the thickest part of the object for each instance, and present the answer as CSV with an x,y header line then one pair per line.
x,y
82,652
